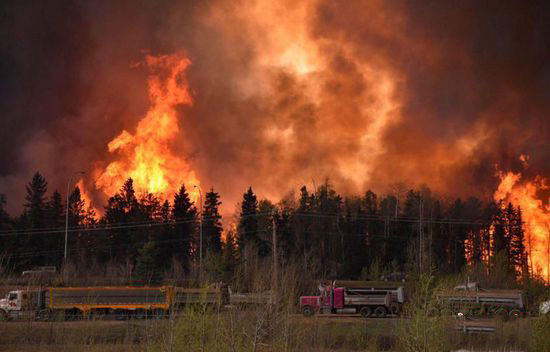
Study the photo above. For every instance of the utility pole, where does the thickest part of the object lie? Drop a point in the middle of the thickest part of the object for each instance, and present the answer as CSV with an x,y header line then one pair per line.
x,y
275,265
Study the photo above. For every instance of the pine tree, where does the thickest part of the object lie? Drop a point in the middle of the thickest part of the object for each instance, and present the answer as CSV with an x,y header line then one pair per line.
x,y
184,214
211,223
372,229
35,218
35,201
457,236
472,212
122,208
55,210
248,222
302,223
77,244
229,256
500,239
518,252
165,235
76,209
440,240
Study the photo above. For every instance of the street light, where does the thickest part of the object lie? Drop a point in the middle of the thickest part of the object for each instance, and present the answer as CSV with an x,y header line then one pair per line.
x,y
67,212
200,230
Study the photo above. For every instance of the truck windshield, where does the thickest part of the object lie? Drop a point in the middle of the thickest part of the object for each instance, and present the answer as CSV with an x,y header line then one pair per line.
x,y
12,296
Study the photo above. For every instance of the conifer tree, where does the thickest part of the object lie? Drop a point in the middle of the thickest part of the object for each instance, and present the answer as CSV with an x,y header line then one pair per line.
x,y
184,214
35,206
457,236
35,218
302,223
121,209
248,222
211,223
55,210
229,256
500,239
518,252
76,210
165,235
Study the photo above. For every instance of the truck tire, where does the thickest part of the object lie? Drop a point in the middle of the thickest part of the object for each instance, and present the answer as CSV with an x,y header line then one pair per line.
x,y
365,312
394,308
4,316
501,312
307,311
380,312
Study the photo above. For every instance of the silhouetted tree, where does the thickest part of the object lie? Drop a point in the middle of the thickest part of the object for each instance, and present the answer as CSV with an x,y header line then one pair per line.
x,y
35,218
184,214
55,219
248,222
211,223
518,253
122,211
457,232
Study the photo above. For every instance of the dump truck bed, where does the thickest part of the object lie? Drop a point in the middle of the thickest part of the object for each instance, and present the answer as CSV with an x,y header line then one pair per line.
x,y
503,297
87,298
367,298
198,295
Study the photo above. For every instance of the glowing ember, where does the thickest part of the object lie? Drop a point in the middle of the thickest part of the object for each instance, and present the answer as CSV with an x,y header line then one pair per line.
x,y
146,156
536,216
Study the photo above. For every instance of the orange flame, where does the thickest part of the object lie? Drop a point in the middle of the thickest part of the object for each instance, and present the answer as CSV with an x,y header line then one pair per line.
x,y
146,156
536,216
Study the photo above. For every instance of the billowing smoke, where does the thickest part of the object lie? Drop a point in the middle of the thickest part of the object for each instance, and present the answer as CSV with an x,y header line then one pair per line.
x,y
286,93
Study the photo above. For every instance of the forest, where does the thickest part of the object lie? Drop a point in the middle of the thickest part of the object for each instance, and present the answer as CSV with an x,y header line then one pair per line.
x,y
324,233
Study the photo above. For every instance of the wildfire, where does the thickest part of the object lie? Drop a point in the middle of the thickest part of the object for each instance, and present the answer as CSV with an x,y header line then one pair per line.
x,y
536,215
146,156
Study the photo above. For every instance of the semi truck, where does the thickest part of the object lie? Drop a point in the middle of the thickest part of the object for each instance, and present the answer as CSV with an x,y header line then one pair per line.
x,y
367,301
470,300
74,302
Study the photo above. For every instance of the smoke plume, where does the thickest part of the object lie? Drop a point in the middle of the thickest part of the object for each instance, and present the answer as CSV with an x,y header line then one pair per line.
x,y
285,93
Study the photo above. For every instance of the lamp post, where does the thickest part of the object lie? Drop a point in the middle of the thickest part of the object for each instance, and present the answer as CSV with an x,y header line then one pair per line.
x,y
67,212
200,230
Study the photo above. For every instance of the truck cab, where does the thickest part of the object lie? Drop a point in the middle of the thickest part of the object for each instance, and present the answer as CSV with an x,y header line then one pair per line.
x,y
13,302
19,303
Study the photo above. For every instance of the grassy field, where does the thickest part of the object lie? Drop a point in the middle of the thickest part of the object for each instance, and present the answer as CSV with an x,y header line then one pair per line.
x,y
245,331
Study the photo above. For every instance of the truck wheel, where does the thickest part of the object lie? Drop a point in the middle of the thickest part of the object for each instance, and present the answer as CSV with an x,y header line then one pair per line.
x,y
514,313
501,312
307,311
365,312
380,312
4,316
394,308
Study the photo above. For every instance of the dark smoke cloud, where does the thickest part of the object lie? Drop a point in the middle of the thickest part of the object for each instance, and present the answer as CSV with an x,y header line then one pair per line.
x,y
470,90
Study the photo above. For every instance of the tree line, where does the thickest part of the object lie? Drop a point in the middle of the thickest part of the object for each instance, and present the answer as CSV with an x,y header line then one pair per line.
x,y
321,231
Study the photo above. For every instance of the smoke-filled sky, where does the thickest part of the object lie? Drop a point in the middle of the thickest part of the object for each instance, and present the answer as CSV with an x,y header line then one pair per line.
x,y
285,93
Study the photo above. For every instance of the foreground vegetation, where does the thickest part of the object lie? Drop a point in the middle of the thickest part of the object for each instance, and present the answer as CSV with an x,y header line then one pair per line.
x,y
263,330
279,327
